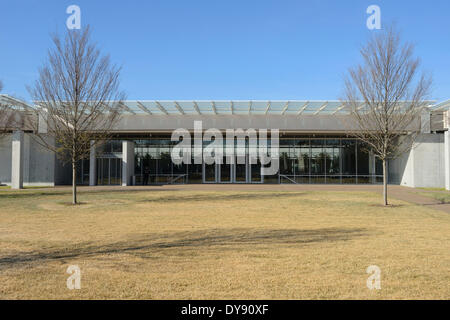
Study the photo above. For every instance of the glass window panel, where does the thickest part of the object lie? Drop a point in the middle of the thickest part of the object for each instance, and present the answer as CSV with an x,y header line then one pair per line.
x,y
286,164
178,169
303,161
302,142
378,166
348,179
318,179
287,142
116,146
364,180
195,173
317,157
302,179
334,179
348,155
363,160
165,164
332,157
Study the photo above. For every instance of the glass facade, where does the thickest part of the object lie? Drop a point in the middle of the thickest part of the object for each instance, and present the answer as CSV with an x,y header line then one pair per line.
x,y
83,172
324,160
303,160
108,165
153,163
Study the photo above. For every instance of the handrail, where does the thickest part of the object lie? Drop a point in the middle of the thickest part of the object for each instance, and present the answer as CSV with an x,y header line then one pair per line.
x,y
286,177
178,177
171,178
291,178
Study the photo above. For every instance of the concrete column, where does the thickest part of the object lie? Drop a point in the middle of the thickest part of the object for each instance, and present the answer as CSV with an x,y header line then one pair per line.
x,y
17,160
127,162
92,165
447,158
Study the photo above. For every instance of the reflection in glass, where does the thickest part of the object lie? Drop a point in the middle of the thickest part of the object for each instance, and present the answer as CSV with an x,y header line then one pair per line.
x,y
317,157
348,157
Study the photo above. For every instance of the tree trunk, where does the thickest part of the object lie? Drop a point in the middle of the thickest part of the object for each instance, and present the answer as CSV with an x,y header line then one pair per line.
x,y
74,182
385,178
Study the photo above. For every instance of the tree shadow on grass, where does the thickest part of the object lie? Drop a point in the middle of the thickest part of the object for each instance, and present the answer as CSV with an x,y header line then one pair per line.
x,y
25,193
225,197
147,246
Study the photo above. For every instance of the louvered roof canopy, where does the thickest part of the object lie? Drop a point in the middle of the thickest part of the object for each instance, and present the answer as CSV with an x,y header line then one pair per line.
x,y
236,107
230,107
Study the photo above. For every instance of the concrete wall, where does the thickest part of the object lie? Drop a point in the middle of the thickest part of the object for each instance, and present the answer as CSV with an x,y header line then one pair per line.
x,y
299,123
5,159
167,123
41,163
38,162
423,166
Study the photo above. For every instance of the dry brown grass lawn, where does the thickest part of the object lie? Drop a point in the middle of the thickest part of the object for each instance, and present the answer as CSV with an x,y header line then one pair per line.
x,y
179,244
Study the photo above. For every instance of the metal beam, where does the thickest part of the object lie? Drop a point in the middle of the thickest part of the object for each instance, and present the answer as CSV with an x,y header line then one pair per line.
x,y
267,108
232,107
441,106
160,107
196,107
213,105
321,108
342,106
107,106
124,106
179,108
303,108
143,108
250,107
286,106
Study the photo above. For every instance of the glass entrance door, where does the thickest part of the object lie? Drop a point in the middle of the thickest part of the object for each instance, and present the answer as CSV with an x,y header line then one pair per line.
x,y
217,173
109,171
225,170
232,173
240,173
209,173
255,172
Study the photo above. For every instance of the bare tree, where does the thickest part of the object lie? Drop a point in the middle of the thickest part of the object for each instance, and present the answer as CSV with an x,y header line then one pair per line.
x,y
386,97
77,99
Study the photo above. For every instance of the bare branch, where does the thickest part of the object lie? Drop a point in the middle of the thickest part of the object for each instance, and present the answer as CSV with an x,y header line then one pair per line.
x,y
392,94
73,94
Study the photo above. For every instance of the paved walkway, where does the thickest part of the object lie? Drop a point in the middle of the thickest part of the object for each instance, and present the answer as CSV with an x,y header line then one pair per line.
x,y
402,193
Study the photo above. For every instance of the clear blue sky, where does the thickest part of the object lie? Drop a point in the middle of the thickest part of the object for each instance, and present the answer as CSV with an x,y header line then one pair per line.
x,y
224,49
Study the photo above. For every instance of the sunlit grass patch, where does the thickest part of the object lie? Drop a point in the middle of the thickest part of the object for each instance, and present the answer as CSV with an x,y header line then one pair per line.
x,y
184,244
